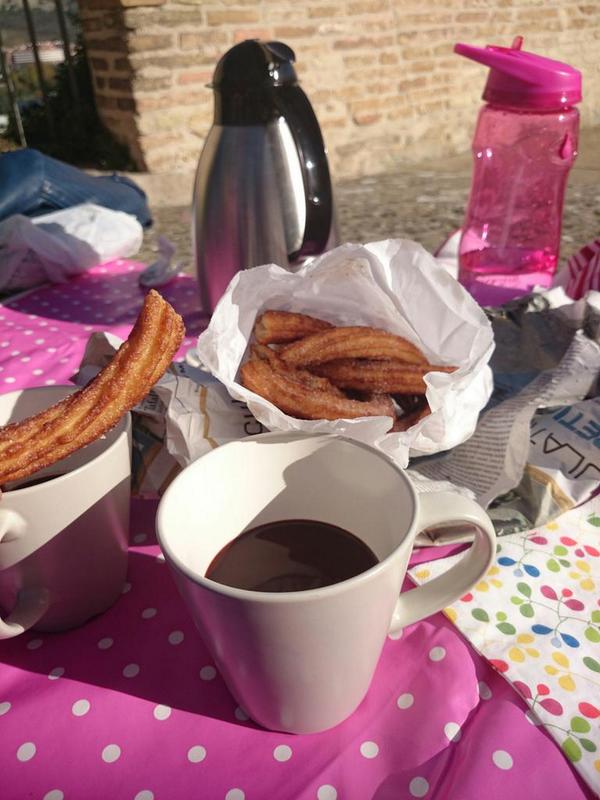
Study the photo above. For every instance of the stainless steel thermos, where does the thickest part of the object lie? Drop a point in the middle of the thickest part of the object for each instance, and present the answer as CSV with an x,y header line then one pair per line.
x,y
263,191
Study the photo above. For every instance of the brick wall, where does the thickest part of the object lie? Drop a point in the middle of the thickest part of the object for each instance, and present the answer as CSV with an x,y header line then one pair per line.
x,y
381,74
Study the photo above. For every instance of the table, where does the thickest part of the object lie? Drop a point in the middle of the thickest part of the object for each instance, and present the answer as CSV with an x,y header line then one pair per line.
x,y
130,705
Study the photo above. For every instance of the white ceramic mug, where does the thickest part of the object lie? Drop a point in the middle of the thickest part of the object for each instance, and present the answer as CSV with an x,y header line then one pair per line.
x,y
63,542
302,661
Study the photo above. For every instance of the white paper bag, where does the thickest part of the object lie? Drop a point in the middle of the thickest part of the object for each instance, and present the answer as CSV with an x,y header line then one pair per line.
x,y
55,246
395,285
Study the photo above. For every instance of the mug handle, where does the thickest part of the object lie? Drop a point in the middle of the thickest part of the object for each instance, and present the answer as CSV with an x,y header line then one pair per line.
x,y
446,508
31,603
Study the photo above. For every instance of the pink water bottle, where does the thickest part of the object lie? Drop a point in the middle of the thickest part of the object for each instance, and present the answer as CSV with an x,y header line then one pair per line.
x,y
524,146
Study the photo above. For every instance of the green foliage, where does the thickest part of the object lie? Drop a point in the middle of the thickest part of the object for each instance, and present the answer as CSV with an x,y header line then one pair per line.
x,y
592,635
24,79
527,610
79,137
506,628
591,663
571,749
580,725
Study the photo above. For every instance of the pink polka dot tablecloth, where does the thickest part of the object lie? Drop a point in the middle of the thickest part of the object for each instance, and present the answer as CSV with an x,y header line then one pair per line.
x,y
131,707
43,333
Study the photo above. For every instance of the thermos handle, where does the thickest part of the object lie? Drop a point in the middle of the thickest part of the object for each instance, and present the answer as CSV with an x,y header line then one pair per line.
x,y
295,107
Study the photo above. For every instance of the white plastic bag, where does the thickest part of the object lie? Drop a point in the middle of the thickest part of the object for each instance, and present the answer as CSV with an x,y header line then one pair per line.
x,y
55,246
395,285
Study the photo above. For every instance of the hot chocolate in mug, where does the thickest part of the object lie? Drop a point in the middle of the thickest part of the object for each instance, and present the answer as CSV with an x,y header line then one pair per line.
x,y
302,661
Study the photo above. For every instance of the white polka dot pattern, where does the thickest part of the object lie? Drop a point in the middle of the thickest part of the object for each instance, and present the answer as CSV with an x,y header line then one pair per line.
x,y
405,700
138,678
208,672
26,751
80,708
282,752
452,731
484,690
437,653
235,794
369,749
502,759
111,753
64,322
196,754
162,712
327,792
418,787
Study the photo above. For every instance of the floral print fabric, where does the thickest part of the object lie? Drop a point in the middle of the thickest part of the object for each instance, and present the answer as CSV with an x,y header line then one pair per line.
x,y
536,618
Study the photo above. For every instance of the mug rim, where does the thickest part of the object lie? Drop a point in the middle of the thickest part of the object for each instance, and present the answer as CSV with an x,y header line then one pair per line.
x,y
124,424
249,595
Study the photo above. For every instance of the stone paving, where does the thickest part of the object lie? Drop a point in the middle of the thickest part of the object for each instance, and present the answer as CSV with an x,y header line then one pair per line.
x,y
424,202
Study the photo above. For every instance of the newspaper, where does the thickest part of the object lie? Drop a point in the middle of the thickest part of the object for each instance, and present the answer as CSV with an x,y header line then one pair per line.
x,y
534,454
492,461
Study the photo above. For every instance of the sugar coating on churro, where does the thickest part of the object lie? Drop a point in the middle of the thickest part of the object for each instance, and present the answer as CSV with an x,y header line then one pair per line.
x,y
310,380
278,327
295,398
351,342
327,372
388,375
83,416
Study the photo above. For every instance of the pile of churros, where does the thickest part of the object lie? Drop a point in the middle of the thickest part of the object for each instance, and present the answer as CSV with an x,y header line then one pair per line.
x,y
82,417
311,369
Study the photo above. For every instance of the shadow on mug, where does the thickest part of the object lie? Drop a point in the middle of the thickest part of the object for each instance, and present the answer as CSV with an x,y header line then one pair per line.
x,y
85,569
365,498
99,652
64,527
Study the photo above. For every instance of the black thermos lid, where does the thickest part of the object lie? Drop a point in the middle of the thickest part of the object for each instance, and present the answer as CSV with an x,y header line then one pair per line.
x,y
245,79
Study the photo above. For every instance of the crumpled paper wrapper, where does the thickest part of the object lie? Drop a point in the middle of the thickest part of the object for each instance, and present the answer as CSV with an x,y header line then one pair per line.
x,y
395,285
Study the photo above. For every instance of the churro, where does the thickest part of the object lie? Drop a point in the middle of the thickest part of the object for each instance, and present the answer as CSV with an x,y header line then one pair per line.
x,y
350,342
279,327
295,398
310,380
378,376
410,418
327,372
409,402
82,417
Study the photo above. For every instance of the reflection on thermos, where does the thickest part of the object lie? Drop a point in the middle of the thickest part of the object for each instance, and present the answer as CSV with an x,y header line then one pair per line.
x,y
263,190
